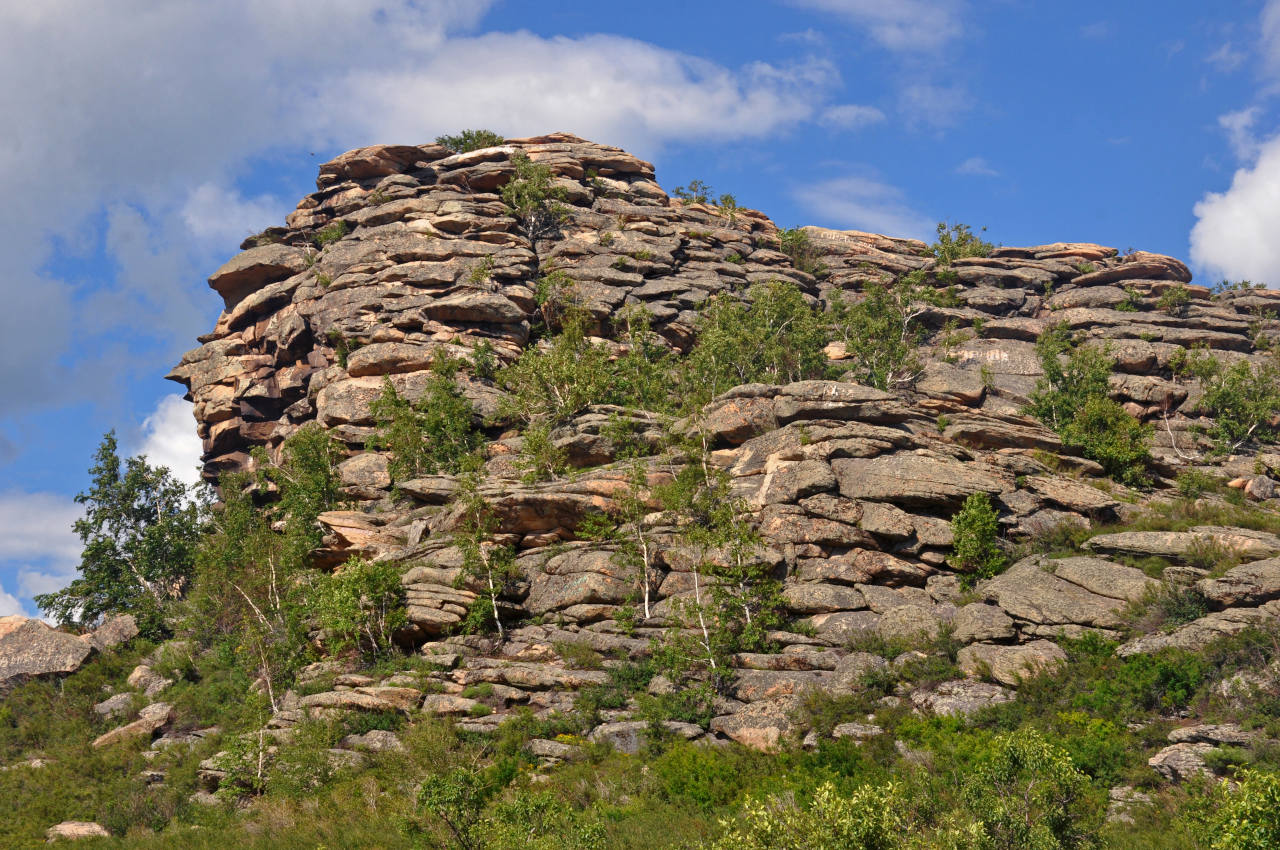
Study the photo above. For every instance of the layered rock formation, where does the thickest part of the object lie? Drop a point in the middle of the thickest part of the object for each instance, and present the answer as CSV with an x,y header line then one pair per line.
x,y
405,252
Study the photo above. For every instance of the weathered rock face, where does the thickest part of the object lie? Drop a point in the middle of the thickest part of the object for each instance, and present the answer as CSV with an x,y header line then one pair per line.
x,y
406,254
30,648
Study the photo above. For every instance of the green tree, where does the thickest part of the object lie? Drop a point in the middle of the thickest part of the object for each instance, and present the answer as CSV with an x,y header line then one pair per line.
x,y
361,604
1249,817
140,530
1243,398
882,332
976,548
533,198
1026,794
773,336
428,437
805,256
470,140
958,241
474,527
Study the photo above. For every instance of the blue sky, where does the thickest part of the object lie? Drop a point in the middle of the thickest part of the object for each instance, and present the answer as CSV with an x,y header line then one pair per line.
x,y
145,140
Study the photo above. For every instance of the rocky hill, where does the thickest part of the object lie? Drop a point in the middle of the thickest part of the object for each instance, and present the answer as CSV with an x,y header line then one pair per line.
x,y
409,256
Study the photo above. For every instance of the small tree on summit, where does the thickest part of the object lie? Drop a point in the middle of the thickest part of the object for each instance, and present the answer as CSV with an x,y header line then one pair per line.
x,y
139,531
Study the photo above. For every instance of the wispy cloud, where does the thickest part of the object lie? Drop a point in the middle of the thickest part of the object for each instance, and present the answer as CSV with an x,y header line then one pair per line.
x,y
1097,31
976,166
850,116
911,26
863,203
1239,127
1227,58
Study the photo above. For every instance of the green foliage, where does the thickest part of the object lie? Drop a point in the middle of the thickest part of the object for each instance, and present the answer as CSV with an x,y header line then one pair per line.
x,y
881,332
480,274
1132,302
771,337
140,531
697,192
1072,399
361,605
540,458
1174,300
458,799
308,482
805,256
958,241
330,233
1106,433
482,558
554,382
533,198
1249,817
1243,398
1028,795
431,436
470,140
868,818
976,549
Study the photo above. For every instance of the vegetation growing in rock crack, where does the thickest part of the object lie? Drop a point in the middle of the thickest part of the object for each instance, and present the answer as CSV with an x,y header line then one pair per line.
x,y
466,141
431,435
1072,399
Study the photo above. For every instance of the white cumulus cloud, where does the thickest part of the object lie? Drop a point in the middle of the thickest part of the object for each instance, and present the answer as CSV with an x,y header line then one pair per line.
x,y
862,203
170,439
1234,234
614,89
9,603
223,217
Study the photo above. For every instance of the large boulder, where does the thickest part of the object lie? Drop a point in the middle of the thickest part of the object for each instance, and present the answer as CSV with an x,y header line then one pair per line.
x,y
1030,591
1009,665
1247,584
914,480
29,647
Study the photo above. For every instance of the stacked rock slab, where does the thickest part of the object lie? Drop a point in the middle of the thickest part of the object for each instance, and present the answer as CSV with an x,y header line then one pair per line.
x,y
405,252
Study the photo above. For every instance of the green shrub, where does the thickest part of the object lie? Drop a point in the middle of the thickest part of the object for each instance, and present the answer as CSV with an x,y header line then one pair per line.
x,y
958,241
1072,399
1174,300
882,332
771,337
868,818
976,548
330,233
470,140
361,604
532,197
805,256
1026,794
554,382
1249,817
1106,433
1242,398
429,437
